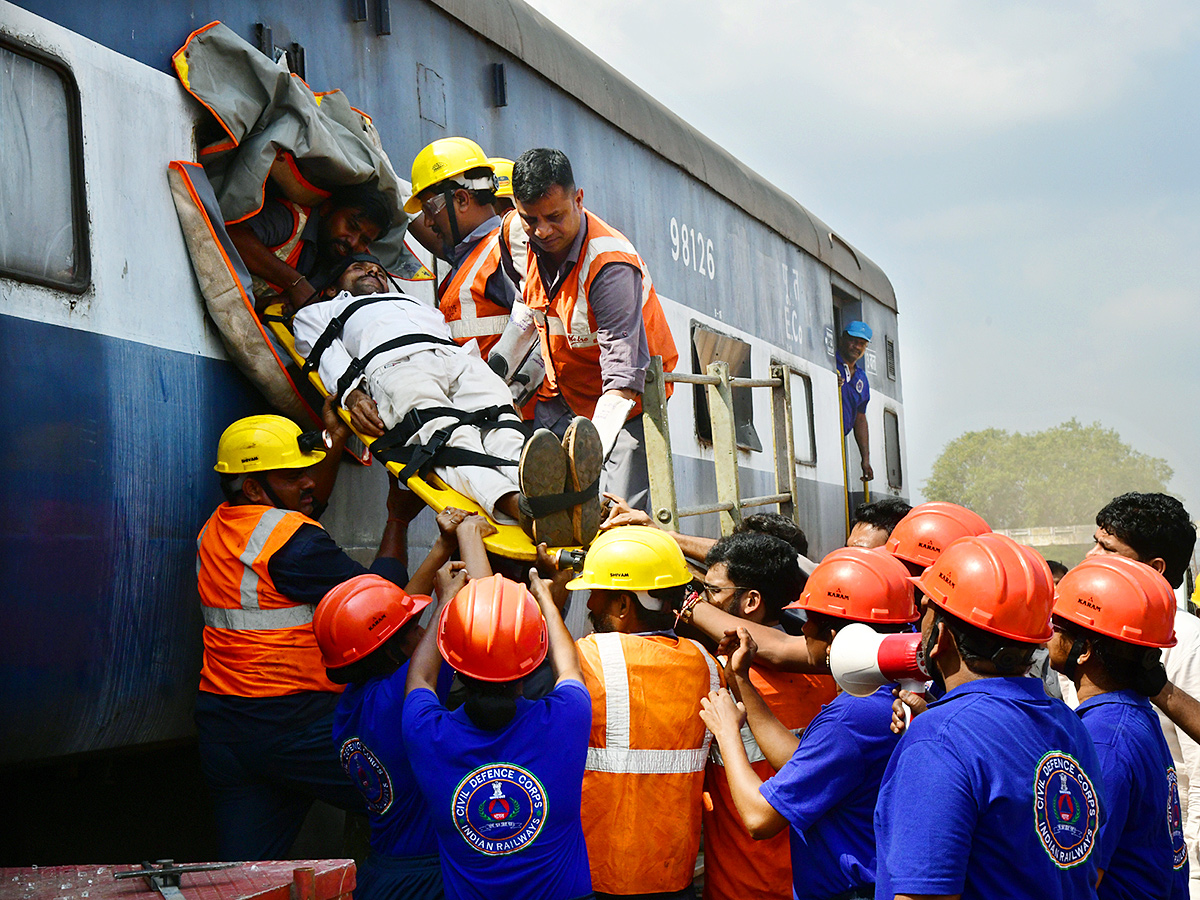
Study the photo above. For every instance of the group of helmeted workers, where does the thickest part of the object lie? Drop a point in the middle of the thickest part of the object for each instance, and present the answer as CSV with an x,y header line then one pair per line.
x,y
496,756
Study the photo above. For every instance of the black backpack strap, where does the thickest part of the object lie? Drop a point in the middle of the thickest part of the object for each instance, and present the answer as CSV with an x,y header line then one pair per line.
x,y
334,329
358,366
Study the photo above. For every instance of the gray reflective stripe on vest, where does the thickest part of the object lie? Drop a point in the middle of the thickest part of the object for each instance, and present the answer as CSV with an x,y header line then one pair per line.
x,y
617,756
199,543
258,539
466,300
481,326
257,619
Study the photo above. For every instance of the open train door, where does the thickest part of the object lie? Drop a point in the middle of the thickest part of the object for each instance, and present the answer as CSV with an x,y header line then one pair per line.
x,y
855,489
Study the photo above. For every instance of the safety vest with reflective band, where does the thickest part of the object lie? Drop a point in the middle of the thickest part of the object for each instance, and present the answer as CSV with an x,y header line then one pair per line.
x,y
463,300
288,251
514,244
568,327
643,785
795,700
257,642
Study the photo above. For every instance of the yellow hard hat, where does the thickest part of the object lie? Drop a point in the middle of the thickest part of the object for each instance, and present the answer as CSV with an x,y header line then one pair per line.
x,y
632,558
263,443
442,160
503,169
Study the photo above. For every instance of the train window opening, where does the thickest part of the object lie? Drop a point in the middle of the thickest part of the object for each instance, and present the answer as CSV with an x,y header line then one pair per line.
x,y
43,235
710,346
804,434
891,448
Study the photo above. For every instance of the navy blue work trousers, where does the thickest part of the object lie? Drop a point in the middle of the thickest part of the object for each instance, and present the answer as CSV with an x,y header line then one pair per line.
x,y
263,788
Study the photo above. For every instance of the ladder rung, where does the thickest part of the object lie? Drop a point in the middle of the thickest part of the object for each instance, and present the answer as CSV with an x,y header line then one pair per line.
x,y
767,500
720,506
755,382
689,378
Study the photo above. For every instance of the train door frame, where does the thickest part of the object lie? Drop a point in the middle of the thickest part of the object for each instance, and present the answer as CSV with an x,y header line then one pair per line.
x,y
846,308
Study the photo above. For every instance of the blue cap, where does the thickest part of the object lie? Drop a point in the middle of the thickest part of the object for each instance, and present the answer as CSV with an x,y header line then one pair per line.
x,y
859,329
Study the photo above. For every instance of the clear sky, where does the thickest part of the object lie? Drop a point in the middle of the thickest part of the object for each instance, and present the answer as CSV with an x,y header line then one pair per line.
x,y
1026,174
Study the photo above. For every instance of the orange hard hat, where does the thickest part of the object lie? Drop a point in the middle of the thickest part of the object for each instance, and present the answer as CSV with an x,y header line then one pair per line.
x,y
928,529
995,584
1121,598
493,630
358,615
862,585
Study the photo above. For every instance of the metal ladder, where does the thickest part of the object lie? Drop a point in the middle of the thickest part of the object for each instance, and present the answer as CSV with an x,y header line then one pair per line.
x,y
720,388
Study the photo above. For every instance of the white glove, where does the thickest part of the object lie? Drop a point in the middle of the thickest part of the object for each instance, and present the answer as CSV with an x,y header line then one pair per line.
x,y
609,418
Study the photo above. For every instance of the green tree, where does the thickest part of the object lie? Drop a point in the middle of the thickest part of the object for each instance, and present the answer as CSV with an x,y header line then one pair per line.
x,y
1060,476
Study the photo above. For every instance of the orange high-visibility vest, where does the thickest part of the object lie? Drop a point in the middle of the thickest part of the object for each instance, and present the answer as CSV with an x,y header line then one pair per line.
x,y
463,301
567,326
257,642
794,699
288,251
644,781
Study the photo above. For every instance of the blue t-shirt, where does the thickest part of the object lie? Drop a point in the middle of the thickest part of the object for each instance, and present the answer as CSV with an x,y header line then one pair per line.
x,y
367,734
996,791
827,792
506,803
1141,847
856,392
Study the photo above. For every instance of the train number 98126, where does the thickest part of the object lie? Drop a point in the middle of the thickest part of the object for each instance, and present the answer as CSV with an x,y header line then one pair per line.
x,y
690,247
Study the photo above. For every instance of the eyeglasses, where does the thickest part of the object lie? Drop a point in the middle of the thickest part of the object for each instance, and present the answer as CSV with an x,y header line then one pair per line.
x,y
711,591
434,204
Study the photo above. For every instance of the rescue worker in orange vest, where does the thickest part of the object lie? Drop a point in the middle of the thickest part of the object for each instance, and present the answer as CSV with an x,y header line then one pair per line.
x,y
753,576
264,712
285,242
644,781
454,186
598,316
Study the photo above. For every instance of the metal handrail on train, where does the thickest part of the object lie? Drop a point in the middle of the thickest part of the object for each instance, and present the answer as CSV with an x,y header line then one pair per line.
x,y
720,387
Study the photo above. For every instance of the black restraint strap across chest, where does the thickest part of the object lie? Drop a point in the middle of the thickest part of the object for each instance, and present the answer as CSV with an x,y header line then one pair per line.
x,y
334,330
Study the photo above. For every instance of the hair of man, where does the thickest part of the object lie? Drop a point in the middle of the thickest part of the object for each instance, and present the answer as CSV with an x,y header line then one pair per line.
x,y
536,171
761,562
883,514
985,653
368,200
1154,526
777,526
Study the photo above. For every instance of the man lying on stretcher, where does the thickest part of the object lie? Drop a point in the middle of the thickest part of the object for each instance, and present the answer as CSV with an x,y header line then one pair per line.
x,y
391,362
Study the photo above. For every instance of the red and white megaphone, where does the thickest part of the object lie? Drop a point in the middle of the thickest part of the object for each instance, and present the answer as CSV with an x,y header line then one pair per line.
x,y
862,660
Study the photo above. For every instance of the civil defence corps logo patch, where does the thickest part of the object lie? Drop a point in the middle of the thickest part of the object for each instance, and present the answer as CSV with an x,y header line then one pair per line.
x,y
368,774
1066,810
1175,821
499,808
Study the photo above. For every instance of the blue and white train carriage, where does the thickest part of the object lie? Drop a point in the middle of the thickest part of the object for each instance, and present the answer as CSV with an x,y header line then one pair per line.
x,y
118,385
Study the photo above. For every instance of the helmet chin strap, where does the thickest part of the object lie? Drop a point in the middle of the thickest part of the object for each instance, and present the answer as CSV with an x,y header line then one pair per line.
x,y
455,234
927,648
267,489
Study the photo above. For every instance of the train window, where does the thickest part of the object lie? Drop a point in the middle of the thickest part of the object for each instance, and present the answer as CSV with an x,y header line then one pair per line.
x,y
891,448
42,230
804,440
710,346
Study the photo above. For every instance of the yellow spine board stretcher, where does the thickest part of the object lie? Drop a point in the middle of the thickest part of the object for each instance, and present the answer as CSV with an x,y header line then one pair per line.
x,y
509,540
